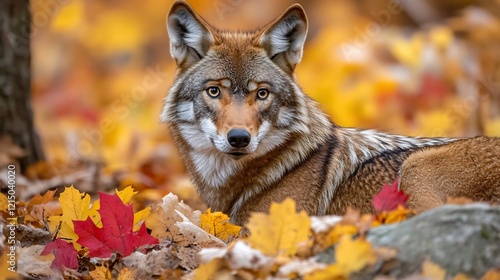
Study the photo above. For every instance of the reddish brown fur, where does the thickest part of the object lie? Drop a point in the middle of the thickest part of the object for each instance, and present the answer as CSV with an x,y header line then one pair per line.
x,y
467,168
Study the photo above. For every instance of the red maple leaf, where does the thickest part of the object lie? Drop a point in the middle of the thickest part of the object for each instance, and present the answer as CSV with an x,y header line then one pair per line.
x,y
116,234
389,198
64,253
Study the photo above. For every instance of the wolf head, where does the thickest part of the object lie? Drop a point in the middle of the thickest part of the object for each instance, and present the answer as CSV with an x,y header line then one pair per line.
x,y
235,95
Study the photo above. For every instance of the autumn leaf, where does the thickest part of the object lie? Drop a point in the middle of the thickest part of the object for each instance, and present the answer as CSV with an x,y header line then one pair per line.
x,y
208,270
432,271
101,273
116,233
280,232
37,207
349,224
239,255
350,255
190,234
75,207
127,273
140,217
64,253
162,219
395,216
39,199
218,224
125,196
339,231
389,198
354,254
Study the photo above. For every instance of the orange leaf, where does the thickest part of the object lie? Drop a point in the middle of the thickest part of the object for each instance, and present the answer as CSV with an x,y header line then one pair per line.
x,y
38,199
395,216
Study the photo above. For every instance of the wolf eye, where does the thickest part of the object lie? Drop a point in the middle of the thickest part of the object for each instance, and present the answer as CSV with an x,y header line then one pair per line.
x,y
262,94
213,92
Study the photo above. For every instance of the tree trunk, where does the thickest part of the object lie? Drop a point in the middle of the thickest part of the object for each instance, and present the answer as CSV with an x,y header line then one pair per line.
x,y
16,117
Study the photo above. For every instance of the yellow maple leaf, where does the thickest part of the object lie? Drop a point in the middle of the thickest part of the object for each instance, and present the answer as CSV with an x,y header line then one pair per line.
x,y
218,224
353,255
126,194
432,271
492,274
75,206
280,232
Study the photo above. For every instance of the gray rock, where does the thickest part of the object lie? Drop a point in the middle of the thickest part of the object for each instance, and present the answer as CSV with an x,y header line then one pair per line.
x,y
459,238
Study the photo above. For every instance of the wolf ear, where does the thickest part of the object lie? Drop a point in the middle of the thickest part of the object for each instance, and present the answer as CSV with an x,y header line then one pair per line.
x,y
284,38
190,36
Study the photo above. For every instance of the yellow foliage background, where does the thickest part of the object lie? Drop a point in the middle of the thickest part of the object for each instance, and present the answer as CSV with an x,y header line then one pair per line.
x,y
102,68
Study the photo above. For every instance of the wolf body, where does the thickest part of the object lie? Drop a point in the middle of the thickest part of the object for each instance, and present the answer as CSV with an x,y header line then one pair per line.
x,y
249,135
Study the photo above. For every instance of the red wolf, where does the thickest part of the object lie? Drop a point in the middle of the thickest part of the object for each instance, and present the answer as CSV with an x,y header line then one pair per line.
x,y
249,136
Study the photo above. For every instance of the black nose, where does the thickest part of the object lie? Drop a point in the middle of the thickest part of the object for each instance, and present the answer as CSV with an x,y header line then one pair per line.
x,y
238,138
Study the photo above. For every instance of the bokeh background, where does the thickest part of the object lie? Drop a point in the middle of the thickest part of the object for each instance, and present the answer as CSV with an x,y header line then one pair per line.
x,y
102,68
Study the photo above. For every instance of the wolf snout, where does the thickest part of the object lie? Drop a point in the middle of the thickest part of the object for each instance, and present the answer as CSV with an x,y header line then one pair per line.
x,y
238,138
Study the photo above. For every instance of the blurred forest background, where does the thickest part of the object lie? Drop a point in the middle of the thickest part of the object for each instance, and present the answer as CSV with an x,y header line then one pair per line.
x,y
100,71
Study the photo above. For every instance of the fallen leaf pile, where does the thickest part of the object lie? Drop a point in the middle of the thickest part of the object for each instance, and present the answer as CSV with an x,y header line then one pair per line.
x,y
106,239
